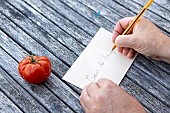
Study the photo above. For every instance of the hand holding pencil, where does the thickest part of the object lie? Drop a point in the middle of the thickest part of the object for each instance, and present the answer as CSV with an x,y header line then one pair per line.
x,y
135,20
145,38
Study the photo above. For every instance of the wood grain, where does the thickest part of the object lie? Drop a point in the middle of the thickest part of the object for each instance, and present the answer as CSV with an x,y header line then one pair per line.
x,y
6,105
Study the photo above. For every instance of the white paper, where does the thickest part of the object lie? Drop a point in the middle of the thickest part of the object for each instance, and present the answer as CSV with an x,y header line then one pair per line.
x,y
98,61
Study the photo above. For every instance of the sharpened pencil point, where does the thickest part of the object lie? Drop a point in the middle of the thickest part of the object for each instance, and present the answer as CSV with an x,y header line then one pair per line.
x,y
113,47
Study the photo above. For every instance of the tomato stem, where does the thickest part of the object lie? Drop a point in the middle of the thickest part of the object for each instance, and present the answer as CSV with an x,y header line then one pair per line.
x,y
33,60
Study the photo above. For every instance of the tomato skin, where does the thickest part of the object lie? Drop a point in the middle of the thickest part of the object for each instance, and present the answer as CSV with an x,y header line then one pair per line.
x,y
35,69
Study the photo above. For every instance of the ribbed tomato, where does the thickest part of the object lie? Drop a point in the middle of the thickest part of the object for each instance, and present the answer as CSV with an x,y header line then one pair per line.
x,y
35,69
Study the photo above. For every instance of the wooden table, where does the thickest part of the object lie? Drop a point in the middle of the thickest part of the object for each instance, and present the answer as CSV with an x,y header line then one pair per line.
x,y
60,30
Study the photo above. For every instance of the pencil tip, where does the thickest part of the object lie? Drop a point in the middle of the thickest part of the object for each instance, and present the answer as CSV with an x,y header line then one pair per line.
x,y
113,47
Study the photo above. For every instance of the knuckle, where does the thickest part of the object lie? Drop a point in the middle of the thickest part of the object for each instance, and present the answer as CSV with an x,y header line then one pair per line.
x,y
119,41
98,98
108,84
90,85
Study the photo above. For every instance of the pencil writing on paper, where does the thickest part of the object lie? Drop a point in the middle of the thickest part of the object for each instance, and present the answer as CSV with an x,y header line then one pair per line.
x,y
101,61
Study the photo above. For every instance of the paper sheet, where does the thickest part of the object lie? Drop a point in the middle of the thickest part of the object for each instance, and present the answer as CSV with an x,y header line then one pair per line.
x,y
98,61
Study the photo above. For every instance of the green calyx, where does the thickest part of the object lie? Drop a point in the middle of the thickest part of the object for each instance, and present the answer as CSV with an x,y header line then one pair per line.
x,y
34,61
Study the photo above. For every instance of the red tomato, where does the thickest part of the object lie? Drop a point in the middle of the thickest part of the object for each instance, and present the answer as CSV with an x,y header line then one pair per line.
x,y
35,69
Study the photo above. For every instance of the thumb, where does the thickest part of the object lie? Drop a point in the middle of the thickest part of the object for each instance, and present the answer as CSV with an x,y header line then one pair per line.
x,y
125,41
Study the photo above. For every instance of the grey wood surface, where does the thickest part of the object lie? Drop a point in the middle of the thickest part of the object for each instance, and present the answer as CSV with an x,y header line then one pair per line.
x,y
7,103
60,30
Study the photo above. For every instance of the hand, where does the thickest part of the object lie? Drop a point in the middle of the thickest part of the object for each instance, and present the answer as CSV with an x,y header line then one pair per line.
x,y
145,38
107,97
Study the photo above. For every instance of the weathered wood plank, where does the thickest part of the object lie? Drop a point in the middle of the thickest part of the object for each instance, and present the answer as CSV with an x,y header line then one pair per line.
x,y
130,5
6,105
72,16
114,7
64,23
54,84
49,24
69,15
38,34
17,94
155,81
112,15
162,65
163,3
83,10
156,9
151,103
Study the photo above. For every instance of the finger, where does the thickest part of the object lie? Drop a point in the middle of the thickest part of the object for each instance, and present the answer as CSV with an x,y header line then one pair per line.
x,y
114,35
126,51
84,107
127,41
131,53
92,89
103,82
122,24
120,49
85,99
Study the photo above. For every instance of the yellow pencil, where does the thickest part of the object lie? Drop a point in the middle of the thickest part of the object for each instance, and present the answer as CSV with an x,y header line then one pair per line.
x,y
135,20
